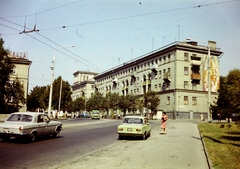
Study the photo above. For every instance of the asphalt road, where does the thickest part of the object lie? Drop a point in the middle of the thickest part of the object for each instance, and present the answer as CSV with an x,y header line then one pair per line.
x,y
79,137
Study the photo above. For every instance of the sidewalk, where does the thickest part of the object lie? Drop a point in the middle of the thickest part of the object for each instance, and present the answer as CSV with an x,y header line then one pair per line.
x,y
181,148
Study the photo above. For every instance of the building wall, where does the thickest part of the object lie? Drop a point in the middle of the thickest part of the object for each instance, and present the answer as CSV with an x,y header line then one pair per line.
x,y
83,85
175,71
21,71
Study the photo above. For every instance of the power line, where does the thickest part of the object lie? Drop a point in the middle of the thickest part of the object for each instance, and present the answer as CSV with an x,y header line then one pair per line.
x,y
43,11
121,18
93,66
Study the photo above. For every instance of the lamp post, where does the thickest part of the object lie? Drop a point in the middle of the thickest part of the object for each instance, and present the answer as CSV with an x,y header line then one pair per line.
x,y
209,83
60,91
51,86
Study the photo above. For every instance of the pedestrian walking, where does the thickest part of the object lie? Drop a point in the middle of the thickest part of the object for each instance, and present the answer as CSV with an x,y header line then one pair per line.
x,y
164,119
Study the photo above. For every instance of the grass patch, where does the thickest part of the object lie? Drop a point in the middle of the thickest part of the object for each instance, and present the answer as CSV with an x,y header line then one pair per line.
x,y
222,141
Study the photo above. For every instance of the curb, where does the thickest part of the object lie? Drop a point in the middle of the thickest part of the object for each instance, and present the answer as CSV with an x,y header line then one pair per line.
x,y
209,162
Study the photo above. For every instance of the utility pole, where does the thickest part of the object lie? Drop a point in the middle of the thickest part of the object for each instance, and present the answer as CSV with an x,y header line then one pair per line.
x,y
51,87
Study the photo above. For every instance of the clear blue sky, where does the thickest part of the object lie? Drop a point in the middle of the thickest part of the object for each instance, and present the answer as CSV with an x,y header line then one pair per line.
x,y
110,32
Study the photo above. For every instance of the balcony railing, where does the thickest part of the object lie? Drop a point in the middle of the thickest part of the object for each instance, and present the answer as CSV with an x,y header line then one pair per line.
x,y
196,62
167,77
195,76
133,74
149,82
154,67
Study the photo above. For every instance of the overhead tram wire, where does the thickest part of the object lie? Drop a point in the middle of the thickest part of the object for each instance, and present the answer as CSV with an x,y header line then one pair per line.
x,y
120,18
47,10
69,51
93,66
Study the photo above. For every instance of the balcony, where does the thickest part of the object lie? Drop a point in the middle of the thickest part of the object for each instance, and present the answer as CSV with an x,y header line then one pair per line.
x,y
114,80
148,82
167,77
195,76
154,67
196,62
133,74
144,83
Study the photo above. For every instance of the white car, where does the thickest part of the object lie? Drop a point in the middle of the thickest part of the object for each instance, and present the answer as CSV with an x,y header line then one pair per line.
x,y
29,125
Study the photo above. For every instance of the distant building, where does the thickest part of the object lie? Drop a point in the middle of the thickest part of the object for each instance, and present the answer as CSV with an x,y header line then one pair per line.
x,y
83,85
178,72
21,71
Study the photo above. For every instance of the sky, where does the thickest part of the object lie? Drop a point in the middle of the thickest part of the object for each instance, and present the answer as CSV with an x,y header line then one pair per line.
x,y
107,33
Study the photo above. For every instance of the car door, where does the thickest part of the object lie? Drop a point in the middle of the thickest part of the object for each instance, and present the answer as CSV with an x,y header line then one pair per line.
x,y
49,126
41,125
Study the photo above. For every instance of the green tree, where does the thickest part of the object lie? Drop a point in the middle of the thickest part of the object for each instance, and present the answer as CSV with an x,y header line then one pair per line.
x,y
113,101
14,96
228,100
65,94
151,101
79,104
11,92
95,102
123,104
35,99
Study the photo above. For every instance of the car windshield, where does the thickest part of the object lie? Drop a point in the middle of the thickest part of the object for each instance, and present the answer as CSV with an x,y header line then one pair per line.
x,y
20,118
132,120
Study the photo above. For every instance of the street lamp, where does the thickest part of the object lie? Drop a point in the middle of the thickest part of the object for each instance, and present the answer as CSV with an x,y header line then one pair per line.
x,y
60,92
209,84
51,86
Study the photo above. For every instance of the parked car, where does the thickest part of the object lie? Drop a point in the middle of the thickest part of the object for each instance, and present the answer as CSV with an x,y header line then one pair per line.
x,y
29,125
95,114
85,115
134,126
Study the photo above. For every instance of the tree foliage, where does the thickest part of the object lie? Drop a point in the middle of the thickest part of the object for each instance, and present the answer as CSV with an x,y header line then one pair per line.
x,y
228,101
35,99
79,104
95,102
151,101
39,96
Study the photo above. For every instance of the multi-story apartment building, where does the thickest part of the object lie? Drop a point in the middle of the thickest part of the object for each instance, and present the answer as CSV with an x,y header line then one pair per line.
x,y
178,72
83,85
21,71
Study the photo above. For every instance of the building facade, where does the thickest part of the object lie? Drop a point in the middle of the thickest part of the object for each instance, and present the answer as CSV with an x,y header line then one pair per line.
x,y
21,72
83,85
178,72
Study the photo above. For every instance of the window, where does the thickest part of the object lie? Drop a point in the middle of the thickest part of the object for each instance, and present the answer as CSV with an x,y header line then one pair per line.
x,y
168,85
168,100
185,70
40,119
185,84
186,58
14,71
169,58
160,60
156,75
160,87
185,100
164,59
194,101
160,74
155,87
194,86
